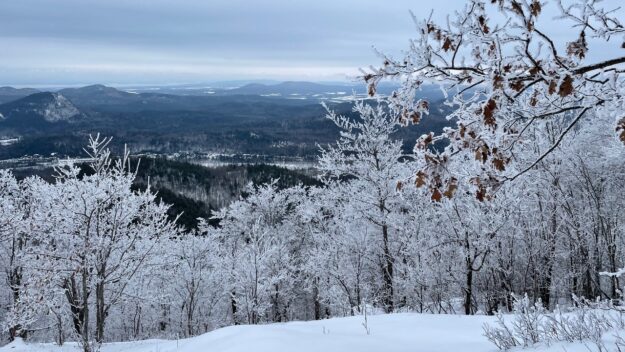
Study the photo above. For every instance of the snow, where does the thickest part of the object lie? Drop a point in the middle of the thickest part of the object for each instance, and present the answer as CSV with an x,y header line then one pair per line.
x,y
58,109
389,333
8,141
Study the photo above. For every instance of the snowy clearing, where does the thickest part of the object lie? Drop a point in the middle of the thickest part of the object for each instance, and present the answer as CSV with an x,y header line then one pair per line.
x,y
388,333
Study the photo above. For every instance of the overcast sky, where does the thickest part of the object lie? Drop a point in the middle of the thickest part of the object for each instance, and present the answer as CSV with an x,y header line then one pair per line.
x,y
59,42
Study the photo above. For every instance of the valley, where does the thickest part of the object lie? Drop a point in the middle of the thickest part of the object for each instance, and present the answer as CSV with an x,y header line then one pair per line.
x,y
253,119
231,137
199,151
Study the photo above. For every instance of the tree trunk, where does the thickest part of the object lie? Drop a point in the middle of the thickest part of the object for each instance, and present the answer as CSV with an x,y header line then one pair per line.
x,y
233,307
84,333
100,312
317,304
191,309
15,281
468,297
75,304
60,336
387,271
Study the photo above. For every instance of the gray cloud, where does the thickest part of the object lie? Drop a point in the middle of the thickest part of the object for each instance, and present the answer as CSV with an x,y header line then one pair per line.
x,y
161,41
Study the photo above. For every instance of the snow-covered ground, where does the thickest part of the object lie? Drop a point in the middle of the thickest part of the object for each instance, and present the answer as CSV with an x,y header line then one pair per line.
x,y
388,333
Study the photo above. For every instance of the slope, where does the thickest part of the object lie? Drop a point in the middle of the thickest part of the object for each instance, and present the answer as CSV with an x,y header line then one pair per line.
x,y
389,333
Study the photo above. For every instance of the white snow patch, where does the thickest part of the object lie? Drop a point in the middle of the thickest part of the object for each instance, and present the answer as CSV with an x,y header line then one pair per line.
x,y
8,141
59,109
388,333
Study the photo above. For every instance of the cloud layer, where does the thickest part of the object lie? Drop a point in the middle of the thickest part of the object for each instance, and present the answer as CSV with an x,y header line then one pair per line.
x,y
167,41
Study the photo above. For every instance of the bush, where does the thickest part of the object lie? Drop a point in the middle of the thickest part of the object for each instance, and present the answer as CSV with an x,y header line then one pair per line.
x,y
531,324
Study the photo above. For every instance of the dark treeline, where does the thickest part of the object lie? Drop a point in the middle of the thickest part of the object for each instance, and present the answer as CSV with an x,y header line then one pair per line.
x,y
192,190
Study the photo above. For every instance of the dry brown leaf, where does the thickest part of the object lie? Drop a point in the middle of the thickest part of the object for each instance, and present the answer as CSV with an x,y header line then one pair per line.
x,y
482,153
497,82
425,141
447,44
489,113
431,160
535,8
482,21
517,8
552,87
415,117
620,127
566,87
534,70
462,130
372,89
480,194
499,164
517,86
420,179
452,186
579,47
436,195
533,100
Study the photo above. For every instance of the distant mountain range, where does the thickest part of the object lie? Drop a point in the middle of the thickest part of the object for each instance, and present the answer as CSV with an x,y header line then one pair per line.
x,y
281,119
102,98
28,106
290,89
8,94
295,88
268,88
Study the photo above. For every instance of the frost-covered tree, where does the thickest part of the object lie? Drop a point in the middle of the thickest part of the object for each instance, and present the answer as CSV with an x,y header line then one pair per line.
x,y
504,75
365,171
91,235
522,194
12,240
257,247
197,282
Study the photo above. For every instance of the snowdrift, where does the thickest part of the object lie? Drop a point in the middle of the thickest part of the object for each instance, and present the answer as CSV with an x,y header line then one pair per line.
x,y
388,333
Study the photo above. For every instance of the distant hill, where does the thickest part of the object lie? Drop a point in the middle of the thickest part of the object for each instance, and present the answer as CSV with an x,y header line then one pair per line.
x,y
108,99
95,94
44,107
295,88
289,90
8,94
264,120
197,98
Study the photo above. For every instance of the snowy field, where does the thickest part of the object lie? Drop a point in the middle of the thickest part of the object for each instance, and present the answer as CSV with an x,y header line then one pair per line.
x,y
388,333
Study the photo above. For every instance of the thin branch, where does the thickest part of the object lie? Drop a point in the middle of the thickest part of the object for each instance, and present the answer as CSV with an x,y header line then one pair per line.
x,y
553,147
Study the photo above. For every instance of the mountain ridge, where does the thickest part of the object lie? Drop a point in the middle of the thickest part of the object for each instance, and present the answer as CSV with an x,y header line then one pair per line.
x,y
50,107
8,94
